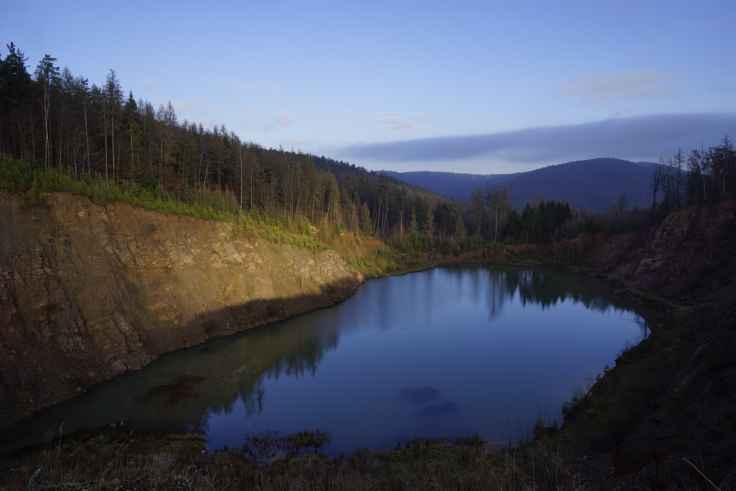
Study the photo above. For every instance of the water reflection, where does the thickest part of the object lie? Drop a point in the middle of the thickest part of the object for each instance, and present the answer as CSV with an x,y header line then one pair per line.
x,y
423,336
419,395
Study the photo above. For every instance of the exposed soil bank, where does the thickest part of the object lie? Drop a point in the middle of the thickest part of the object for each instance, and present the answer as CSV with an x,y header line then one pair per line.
x,y
671,398
88,292
689,258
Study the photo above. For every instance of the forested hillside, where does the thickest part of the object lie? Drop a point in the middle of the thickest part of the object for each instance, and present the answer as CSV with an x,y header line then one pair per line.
x,y
54,120
593,185
53,123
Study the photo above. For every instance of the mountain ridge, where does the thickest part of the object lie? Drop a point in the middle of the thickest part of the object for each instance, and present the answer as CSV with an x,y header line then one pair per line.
x,y
592,184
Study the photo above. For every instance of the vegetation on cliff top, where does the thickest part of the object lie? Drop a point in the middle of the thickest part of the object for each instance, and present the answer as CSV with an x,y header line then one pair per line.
x,y
18,177
59,134
56,121
366,253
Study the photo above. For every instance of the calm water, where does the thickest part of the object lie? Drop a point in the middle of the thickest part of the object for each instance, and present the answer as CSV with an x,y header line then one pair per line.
x,y
445,352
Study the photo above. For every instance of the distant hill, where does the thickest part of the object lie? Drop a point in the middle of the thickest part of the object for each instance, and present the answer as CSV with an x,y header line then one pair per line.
x,y
593,184
354,178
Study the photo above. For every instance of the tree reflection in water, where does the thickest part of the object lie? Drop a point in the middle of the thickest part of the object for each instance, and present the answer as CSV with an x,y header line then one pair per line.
x,y
188,390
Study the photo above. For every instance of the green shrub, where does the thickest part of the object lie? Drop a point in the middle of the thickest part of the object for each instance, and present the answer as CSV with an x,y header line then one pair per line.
x,y
33,183
15,176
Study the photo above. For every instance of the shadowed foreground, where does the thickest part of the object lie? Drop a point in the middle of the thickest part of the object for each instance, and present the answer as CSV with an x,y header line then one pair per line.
x,y
116,459
121,460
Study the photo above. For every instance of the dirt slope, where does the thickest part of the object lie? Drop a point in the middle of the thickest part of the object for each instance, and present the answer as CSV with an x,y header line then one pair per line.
x,y
689,257
88,292
673,397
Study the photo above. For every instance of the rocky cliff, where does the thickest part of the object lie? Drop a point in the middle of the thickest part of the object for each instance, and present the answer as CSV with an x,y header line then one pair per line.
x,y
673,396
88,292
689,257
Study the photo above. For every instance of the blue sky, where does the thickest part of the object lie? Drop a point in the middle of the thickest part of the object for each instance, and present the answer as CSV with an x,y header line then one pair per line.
x,y
358,80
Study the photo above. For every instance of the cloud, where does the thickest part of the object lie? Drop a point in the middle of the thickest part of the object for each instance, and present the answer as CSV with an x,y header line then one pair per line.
x,y
281,122
618,86
395,122
638,137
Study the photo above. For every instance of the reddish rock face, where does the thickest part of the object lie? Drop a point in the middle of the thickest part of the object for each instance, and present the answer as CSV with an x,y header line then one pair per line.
x,y
690,256
691,253
88,292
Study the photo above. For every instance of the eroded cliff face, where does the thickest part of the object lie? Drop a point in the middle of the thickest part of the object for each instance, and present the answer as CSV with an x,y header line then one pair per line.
x,y
673,396
88,292
690,256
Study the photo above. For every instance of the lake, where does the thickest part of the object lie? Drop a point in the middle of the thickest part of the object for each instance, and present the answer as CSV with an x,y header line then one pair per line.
x,y
448,352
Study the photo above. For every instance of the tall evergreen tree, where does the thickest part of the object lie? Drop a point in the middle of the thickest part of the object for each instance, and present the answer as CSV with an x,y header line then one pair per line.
x,y
47,75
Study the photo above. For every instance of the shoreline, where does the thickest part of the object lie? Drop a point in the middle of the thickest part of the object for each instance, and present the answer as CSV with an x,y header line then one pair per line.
x,y
473,260
615,425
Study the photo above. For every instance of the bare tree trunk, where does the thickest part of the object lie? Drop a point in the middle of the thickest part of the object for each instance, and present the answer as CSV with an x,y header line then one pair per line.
x,y
33,136
74,161
46,145
86,140
112,137
240,148
105,136
495,232
206,171
705,188
161,163
401,225
132,156
59,146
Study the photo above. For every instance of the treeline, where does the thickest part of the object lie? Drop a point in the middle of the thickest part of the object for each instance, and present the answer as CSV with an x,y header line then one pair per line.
x,y
491,217
56,121
705,176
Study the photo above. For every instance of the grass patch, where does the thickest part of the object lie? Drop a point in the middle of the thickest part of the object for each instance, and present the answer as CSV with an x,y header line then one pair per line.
x,y
15,176
18,177
123,460
297,232
379,262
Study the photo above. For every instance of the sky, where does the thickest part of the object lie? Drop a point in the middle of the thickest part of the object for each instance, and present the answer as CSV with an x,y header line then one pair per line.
x,y
482,87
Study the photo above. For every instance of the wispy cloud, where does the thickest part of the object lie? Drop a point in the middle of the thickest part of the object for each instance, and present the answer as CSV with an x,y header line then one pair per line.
x,y
280,122
395,122
600,88
639,137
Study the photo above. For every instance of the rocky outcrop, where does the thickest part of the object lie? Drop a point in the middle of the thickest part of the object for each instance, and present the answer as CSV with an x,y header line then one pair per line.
x,y
691,255
673,396
88,292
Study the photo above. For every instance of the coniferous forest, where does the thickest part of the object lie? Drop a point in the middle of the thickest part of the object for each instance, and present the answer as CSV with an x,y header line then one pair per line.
x,y
366,246
54,121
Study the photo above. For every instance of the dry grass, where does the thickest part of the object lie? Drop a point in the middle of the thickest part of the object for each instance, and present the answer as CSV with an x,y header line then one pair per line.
x,y
116,460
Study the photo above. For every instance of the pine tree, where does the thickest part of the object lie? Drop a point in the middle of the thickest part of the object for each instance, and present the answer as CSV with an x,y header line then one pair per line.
x,y
133,128
112,100
15,107
413,226
366,223
47,75
459,234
